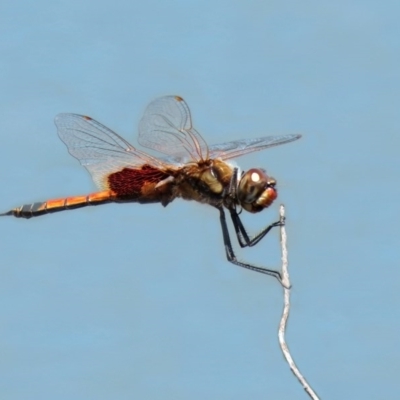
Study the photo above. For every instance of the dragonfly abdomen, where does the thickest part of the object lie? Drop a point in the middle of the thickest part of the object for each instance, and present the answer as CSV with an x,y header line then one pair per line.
x,y
55,205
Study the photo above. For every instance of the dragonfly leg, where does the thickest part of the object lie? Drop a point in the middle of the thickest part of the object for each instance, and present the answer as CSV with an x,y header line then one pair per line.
x,y
243,237
230,255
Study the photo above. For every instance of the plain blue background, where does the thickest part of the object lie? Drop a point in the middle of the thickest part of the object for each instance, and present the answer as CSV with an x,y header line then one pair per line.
x,y
139,302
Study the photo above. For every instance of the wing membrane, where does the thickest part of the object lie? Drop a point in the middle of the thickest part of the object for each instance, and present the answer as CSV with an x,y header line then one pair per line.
x,y
99,149
167,127
238,148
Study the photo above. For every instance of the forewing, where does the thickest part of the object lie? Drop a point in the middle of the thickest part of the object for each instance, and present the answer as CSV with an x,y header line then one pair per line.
x,y
238,148
167,127
99,149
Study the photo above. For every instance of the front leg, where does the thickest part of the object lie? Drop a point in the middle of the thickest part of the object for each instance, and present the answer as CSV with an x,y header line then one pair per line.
x,y
230,255
242,236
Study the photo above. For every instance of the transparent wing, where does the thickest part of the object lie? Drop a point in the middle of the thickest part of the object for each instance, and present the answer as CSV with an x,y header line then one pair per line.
x,y
167,127
238,148
99,149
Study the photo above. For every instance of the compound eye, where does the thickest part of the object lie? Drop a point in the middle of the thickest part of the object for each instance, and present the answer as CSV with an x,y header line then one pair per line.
x,y
251,185
256,190
255,177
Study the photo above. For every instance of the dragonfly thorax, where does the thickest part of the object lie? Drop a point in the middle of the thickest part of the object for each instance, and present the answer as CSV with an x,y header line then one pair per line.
x,y
256,190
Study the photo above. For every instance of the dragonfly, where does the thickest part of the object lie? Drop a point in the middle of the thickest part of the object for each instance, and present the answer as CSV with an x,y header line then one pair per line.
x,y
188,169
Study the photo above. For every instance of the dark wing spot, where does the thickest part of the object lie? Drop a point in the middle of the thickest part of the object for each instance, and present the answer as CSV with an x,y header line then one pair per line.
x,y
129,182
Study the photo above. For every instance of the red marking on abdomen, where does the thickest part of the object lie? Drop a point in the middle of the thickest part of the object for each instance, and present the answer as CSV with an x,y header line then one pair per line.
x,y
132,183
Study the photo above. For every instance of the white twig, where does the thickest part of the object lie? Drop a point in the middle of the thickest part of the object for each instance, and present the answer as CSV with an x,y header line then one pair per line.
x,y
286,308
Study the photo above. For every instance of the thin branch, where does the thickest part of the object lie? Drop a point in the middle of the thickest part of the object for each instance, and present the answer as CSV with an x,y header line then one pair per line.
x,y
286,308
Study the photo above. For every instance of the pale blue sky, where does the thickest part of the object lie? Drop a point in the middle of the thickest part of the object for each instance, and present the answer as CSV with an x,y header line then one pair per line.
x,y
139,302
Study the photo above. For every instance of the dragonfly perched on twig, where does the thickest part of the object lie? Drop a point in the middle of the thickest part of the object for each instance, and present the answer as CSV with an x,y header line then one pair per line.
x,y
189,169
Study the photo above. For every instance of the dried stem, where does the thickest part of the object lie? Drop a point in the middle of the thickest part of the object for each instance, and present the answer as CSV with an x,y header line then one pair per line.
x,y
286,308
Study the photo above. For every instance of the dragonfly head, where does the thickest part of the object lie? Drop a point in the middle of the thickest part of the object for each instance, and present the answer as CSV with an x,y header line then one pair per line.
x,y
256,190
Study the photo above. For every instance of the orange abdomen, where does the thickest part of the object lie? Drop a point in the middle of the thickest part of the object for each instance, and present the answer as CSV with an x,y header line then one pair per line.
x,y
69,203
